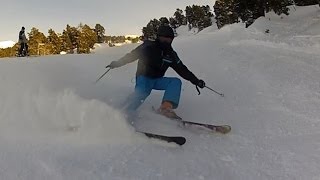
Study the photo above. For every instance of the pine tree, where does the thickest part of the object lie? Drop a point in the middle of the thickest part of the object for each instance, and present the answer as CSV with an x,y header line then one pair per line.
x,y
73,34
278,7
173,23
249,10
225,12
86,40
208,15
229,11
100,31
66,45
164,21
199,16
180,18
253,9
150,31
36,39
54,41
189,16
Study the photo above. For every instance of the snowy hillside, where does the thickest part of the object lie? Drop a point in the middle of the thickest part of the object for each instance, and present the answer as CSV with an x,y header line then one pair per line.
x,y
6,44
56,123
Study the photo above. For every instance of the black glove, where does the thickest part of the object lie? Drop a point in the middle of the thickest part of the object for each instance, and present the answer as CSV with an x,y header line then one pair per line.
x,y
201,84
113,64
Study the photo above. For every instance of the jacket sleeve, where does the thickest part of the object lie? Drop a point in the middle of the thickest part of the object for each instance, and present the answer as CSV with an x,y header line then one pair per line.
x,y
130,57
183,71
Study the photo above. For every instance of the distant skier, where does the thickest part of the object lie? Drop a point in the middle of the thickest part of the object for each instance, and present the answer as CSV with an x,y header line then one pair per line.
x,y
23,50
155,57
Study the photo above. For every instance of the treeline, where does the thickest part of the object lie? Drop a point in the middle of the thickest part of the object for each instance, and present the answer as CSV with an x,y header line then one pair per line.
x,y
226,12
195,16
80,39
9,52
247,11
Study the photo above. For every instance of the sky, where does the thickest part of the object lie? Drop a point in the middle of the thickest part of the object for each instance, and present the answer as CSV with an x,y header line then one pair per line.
x,y
119,17
57,124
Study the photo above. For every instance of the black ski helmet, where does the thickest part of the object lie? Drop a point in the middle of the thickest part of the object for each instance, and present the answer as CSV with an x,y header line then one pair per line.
x,y
165,31
22,28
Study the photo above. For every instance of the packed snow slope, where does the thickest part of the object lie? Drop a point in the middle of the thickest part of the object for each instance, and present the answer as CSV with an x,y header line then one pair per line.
x,y
56,123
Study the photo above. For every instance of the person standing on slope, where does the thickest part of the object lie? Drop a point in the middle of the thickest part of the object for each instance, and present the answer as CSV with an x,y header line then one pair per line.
x,y
155,57
23,50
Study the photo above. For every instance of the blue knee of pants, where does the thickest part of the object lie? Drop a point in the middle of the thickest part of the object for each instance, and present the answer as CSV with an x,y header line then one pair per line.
x,y
172,88
144,86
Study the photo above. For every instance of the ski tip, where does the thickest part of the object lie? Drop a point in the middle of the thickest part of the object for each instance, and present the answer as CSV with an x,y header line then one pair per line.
x,y
223,129
227,129
180,140
183,142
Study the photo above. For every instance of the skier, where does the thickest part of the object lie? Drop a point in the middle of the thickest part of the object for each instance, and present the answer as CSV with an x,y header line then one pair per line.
x,y
23,50
155,57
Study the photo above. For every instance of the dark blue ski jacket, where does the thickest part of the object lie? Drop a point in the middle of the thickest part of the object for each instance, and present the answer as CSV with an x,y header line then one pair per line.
x,y
154,61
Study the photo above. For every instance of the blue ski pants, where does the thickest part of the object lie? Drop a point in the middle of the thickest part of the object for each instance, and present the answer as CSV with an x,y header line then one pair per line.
x,y
144,86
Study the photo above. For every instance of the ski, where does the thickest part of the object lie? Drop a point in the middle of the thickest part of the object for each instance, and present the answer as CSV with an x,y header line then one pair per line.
x,y
223,129
175,139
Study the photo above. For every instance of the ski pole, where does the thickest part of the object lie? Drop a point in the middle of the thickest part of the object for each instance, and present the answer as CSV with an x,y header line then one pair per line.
x,y
104,74
222,95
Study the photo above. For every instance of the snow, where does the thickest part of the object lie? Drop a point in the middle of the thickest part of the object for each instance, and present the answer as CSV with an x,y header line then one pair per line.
x,y
56,123
6,44
184,31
